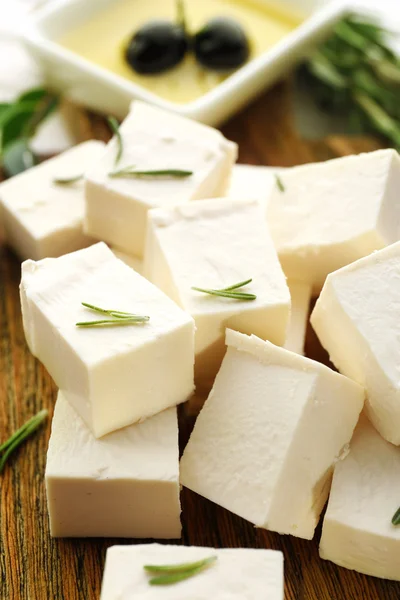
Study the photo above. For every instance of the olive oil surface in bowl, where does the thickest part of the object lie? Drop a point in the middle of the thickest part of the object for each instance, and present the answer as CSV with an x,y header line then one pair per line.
x,y
102,40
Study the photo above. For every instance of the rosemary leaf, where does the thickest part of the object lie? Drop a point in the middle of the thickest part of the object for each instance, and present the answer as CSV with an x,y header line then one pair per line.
x,y
105,311
117,322
20,436
67,180
396,517
169,574
167,173
229,292
114,125
279,183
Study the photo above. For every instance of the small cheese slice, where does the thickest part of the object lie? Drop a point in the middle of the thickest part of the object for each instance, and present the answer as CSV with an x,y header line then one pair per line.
x,y
357,320
124,485
116,208
335,212
266,441
214,244
253,181
237,573
300,295
43,219
113,376
132,261
357,531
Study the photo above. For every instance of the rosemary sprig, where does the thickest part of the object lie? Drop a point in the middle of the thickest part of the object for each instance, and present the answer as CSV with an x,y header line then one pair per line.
x,y
279,183
67,180
20,436
114,125
131,171
169,574
356,75
230,291
396,517
119,317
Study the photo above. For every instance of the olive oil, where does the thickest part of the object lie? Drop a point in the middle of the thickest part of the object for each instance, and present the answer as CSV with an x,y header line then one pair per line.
x,y
102,40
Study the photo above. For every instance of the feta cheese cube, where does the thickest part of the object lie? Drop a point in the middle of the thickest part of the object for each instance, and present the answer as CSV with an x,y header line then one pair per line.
x,y
124,485
253,181
237,573
357,531
43,219
116,208
132,261
266,441
113,376
300,296
335,212
214,244
357,320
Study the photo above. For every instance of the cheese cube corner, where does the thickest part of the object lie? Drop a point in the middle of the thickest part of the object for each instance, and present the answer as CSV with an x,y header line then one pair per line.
x,y
356,319
237,573
300,297
113,376
123,485
330,214
44,219
214,244
266,441
154,139
357,532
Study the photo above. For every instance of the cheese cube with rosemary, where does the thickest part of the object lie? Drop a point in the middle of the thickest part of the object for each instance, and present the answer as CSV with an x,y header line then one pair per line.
x,y
327,215
123,485
300,296
273,427
253,181
357,321
43,218
215,244
125,361
358,532
165,159
191,572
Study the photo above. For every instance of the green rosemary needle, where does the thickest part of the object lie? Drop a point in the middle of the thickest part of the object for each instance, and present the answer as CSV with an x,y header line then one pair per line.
x,y
20,436
396,517
169,574
67,180
120,318
230,291
114,125
131,171
279,183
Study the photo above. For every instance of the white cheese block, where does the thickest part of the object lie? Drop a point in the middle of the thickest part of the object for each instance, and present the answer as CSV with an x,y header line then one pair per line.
x,y
113,376
116,209
253,181
300,295
266,441
132,261
357,320
245,574
214,244
43,219
357,531
335,212
124,485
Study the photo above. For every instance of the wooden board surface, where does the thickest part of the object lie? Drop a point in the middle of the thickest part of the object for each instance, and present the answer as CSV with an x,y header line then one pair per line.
x,y
35,567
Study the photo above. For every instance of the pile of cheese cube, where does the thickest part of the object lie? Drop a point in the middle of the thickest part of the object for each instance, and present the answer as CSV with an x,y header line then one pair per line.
x,y
278,433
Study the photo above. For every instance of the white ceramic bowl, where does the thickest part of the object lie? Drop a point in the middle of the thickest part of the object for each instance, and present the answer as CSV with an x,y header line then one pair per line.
x,y
101,90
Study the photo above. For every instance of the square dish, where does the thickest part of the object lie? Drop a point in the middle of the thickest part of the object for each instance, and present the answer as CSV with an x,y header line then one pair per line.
x,y
100,89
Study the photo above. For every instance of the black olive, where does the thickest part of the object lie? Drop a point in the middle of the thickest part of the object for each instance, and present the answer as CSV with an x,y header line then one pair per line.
x,y
221,45
156,47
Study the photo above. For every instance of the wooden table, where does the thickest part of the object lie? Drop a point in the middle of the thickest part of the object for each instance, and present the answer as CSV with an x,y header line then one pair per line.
x,y
35,567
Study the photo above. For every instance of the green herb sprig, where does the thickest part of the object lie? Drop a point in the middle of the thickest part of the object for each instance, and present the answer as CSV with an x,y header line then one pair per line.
x,y
67,180
114,125
279,183
118,318
131,171
356,75
396,517
19,122
17,438
169,574
230,291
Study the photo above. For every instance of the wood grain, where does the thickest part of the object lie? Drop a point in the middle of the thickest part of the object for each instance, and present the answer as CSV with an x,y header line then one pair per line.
x,y
35,567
